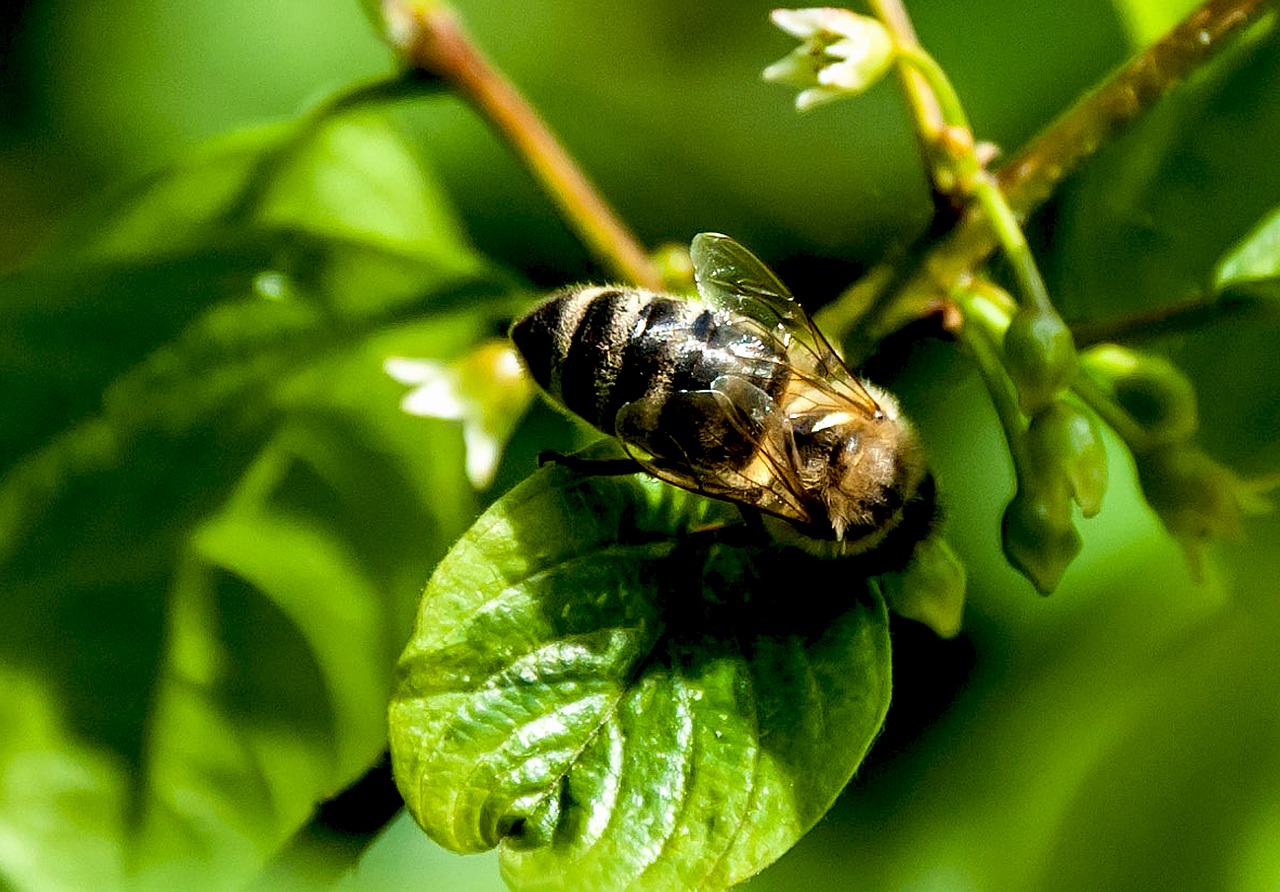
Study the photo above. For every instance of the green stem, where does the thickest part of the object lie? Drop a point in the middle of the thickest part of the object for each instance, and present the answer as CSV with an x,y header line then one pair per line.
x,y
974,180
1012,241
948,99
1191,315
922,278
432,39
1106,408
922,101
983,323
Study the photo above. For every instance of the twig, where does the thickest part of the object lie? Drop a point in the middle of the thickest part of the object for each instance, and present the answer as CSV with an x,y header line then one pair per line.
x,y
1187,316
1034,172
1030,176
431,38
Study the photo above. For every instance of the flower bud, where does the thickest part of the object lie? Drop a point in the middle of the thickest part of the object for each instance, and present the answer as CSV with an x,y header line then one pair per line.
x,y
930,589
675,267
1038,536
1040,356
1150,389
408,25
1197,498
842,54
1064,443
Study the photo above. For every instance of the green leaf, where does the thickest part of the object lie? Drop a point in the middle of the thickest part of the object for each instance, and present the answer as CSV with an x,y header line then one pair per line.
x,y
1252,266
1147,20
214,518
619,707
1149,219
56,796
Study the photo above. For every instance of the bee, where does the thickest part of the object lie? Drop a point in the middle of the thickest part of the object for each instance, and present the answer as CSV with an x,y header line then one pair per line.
x,y
736,395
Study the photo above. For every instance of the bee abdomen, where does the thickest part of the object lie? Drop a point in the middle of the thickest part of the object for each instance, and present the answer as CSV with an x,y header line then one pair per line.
x,y
595,349
574,342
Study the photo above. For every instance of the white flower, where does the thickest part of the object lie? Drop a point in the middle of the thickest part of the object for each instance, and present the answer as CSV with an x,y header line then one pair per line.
x,y
842,54
486,390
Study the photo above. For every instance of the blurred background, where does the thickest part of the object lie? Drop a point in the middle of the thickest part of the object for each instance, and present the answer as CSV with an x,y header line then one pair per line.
x,y
1122,733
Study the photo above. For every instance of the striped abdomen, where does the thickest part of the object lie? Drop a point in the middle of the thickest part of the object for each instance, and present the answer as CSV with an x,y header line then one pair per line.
x,y
596,349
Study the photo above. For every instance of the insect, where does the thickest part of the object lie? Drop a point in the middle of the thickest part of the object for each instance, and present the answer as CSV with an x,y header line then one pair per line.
x,y
736,395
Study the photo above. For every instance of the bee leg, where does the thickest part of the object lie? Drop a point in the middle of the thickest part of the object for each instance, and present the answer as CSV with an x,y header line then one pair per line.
x,y
590,467
738,535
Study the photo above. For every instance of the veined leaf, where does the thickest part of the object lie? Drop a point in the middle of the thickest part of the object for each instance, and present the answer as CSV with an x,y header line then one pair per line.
x,y
618,704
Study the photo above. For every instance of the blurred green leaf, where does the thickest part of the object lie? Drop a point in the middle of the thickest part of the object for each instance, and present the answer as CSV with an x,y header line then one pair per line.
x,y
1146,20
214,524
1252,266
1193,809
1152,215
61,803
619,709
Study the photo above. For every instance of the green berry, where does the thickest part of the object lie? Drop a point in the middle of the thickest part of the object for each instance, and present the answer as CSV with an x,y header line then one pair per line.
x,y
1064,443
1039,537
1040,356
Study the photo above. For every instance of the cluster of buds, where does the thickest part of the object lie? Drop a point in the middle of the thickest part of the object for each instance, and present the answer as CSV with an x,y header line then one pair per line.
x,y
1029,359
1063,462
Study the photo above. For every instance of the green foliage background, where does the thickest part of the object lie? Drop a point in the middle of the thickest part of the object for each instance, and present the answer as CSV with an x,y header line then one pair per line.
x,y
215,522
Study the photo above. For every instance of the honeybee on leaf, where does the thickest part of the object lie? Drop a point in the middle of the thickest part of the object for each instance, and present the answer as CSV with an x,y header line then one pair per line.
x,y
737,395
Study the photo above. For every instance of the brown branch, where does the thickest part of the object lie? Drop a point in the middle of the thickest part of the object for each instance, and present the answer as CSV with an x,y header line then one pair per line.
x,y
431,38
1230,306
1030,176
1034,172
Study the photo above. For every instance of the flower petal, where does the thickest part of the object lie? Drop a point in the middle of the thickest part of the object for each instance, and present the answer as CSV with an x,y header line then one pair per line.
x,y
412,371
802,23
436,399
483,450
842,76
799,68
817,96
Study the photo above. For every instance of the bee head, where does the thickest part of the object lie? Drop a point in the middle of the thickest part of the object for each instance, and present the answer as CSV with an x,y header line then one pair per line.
x,y
874,471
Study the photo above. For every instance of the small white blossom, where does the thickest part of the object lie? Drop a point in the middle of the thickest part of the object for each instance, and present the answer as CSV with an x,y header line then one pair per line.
x,y
486,390
842,53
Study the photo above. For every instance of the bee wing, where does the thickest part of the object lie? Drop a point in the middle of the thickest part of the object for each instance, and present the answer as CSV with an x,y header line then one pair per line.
x,y
731,278
730,442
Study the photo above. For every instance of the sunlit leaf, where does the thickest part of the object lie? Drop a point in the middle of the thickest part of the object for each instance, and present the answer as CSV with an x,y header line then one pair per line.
x,y
618,709
1252,266
214,524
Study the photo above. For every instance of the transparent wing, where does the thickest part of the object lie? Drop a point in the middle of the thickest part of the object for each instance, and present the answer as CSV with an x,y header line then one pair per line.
x,y
730,442
731,278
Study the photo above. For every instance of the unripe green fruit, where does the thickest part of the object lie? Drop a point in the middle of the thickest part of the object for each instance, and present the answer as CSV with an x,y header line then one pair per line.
x,y
1064,442
1039,538
1040,356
